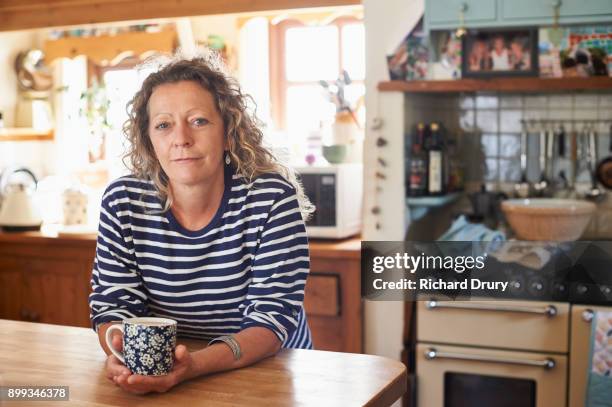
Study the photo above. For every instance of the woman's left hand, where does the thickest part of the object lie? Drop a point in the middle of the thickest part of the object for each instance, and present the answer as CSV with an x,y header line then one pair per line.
x,y
139,384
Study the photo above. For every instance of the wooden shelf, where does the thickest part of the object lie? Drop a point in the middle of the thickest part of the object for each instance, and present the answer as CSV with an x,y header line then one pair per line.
x,y
499,85
112,49
25,134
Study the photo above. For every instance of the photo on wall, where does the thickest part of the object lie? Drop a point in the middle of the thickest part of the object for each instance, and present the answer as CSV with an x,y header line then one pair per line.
x,y
492,53
579,51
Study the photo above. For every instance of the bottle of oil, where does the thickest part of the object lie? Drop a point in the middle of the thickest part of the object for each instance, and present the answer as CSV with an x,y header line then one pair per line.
x,y
417,178
436,163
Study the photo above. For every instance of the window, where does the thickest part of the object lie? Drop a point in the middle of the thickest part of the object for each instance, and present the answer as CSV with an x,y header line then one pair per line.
x,y
121,83
301,56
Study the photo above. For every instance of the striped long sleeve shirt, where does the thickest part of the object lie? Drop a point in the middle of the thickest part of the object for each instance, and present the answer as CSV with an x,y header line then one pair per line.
x,y
247,267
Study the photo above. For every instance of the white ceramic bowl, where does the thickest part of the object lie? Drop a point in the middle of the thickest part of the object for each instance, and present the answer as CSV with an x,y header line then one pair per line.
x,y
548,218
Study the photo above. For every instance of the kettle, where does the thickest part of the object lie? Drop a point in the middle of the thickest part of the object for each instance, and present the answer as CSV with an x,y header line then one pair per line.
x,y
18,211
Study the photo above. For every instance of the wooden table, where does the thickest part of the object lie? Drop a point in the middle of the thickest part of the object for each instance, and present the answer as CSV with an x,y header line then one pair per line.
x,y
35,354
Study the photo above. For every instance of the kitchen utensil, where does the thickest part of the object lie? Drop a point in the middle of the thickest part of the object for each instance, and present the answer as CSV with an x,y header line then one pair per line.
x,y
542,185
18,211
522,188
548,218
594,193
604,168
560,136
32,74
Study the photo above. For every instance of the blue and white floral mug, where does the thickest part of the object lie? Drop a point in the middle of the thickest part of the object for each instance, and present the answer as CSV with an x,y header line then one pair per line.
x,y
148,345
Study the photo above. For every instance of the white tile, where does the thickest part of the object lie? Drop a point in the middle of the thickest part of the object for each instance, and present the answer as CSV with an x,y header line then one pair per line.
x,y
489,143
535,114
586,101
605,100
561,101
557,113
466,102
584,114
513,102
604,113
487,121
536,102
491,169
510,121
467,120
509,145
486,102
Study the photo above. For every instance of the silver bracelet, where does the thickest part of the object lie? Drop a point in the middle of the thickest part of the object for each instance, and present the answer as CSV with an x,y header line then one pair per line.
x,y
230,341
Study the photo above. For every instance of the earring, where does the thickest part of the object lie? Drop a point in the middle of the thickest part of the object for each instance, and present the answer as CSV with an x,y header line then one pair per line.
x,y
227,159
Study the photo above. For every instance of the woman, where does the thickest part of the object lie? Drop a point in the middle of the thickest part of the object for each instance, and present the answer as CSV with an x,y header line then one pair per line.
x,y
520,58
207,231
479,59
500,55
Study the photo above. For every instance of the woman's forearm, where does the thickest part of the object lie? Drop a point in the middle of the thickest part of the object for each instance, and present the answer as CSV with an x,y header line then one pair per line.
x,y
256,343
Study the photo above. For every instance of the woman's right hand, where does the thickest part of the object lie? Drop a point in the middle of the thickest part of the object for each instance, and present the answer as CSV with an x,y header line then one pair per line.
x,y
114,367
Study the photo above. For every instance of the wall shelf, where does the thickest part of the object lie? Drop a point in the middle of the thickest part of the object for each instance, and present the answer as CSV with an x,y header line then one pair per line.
x,y
25,134
499,85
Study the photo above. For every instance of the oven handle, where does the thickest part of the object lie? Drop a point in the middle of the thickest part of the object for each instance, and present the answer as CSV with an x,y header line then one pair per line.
x,y
432,353
549,310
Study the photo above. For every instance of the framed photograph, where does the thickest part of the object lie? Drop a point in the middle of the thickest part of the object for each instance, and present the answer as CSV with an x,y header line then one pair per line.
x,y
446,56
492,53
410,60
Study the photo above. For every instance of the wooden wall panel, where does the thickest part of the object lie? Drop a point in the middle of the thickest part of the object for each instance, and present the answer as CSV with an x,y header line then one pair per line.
x,y
19,15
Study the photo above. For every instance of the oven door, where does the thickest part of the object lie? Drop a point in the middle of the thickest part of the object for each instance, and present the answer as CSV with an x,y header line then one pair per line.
x,y
454,376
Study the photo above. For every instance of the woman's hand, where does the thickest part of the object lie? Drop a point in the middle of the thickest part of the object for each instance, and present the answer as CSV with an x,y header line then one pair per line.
x,y
139,384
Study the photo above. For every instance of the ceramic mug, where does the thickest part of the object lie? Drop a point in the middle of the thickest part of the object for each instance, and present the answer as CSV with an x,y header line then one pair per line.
x,y
148,345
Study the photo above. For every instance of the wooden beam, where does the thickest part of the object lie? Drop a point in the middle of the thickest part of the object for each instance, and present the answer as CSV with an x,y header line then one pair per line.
x,y
27,14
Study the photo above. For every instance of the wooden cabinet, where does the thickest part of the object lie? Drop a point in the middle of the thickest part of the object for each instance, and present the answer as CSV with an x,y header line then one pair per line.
x,y
333,296
542,11
449,12
45,279
446,14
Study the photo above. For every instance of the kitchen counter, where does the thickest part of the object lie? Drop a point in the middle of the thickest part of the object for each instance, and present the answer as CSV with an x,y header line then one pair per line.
x,y
45,277
48,355
51,235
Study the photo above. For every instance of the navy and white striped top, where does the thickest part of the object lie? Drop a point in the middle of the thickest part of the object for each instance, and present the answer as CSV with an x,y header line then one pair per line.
x,y
247,267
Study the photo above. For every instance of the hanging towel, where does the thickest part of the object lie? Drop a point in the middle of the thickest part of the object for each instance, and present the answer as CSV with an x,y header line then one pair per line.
x,y
528,254
599,388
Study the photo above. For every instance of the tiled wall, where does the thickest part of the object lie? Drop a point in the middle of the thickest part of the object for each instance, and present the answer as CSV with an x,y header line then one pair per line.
x,y
488,127
496,121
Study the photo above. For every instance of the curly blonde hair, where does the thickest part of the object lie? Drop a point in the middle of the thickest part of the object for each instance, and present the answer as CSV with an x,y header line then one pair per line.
x,y
244,137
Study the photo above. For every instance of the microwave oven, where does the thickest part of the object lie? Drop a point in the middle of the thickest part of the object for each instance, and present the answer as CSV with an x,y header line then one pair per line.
x,y
336,192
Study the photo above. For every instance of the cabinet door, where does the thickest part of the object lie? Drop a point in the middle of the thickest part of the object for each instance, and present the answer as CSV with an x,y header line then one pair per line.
x,y
55,291
542,11
580,346
333,304
10,288
445,13
571,8
528,9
